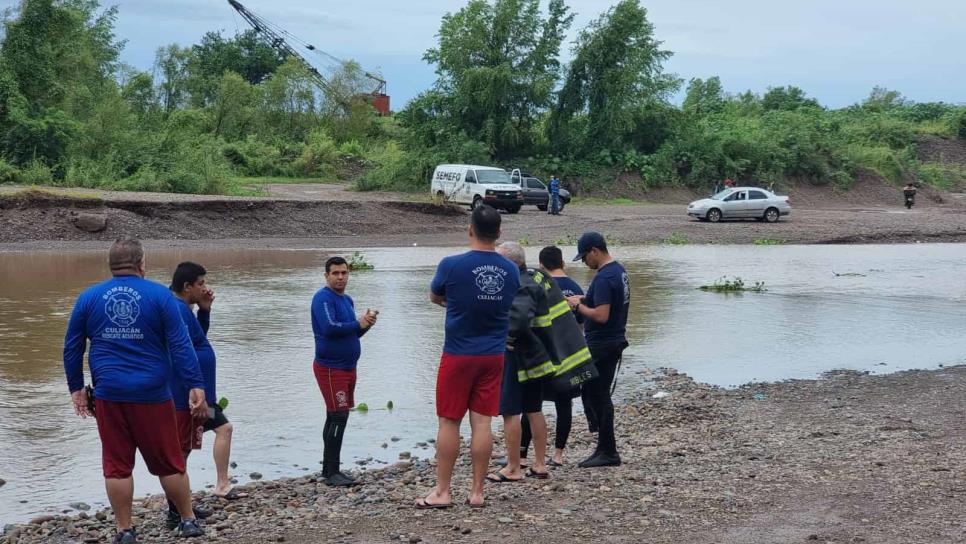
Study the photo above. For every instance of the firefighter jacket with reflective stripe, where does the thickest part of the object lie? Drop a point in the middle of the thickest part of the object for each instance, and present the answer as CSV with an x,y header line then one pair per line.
x,y
567,347
544,332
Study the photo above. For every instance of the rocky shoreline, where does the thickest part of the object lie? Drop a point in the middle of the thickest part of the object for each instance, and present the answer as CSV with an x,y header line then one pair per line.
x,y
851,457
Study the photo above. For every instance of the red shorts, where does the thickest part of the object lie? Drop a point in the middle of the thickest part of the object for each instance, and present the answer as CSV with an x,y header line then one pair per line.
x,y
151,428
189,431
468,382
338,387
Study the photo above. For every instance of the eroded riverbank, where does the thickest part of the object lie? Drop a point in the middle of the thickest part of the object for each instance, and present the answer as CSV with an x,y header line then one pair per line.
x,y
59,220
848,458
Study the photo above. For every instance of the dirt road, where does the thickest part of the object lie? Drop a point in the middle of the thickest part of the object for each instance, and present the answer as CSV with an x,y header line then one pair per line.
x,y
330,216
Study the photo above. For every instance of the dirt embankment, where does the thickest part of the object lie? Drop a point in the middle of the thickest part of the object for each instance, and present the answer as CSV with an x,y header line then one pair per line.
x,y
39,216
329,216
849,458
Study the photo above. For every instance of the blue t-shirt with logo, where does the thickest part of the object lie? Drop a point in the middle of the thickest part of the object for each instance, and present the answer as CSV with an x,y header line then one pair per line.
x,y
609,286
570,288
206,358
137,338
479,287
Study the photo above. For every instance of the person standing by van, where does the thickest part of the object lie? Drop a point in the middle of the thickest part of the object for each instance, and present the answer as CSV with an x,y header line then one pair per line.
x,y
554,195
477,289
605,308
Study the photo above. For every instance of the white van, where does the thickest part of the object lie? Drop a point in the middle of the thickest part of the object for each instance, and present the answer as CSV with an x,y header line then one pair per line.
x,y
476,185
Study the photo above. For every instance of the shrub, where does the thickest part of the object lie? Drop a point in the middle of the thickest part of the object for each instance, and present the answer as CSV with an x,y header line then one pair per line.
x,y
8,172
319,157
35,173
352,149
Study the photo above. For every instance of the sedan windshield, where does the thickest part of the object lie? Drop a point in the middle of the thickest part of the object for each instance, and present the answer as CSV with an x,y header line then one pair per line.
x,y
721,195
492,176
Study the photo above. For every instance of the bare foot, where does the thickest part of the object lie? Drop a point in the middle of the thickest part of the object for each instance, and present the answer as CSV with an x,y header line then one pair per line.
x,y
435,499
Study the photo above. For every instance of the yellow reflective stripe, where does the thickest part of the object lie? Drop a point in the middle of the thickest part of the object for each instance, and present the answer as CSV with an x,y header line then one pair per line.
x,y
541,321
538,277
573,361
559,309
539,371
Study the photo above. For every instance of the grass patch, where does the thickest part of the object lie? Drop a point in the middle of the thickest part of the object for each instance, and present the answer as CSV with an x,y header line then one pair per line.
x,y
525,241
46,194
569,240
278,180
768,242
735,285
941,175
676,239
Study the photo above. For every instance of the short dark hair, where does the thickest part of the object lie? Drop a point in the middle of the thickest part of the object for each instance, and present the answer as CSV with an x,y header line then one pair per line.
x,y
486,223
186,272
335,261
551,258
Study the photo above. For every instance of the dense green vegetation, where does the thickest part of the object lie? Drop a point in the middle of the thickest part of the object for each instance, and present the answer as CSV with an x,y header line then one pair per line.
x,y
231,107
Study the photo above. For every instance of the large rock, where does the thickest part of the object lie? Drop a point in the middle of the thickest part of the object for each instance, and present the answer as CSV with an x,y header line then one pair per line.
x,y
90,222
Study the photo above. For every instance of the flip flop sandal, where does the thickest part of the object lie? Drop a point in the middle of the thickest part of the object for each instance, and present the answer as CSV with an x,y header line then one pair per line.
x,y
500,478
471,505
538,475
232,495
553,463
423,504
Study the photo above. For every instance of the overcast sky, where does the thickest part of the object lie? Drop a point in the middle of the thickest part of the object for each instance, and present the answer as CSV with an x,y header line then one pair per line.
x,y
836,50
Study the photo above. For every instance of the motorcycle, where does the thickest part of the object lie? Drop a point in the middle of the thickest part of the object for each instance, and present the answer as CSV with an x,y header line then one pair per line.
x,y
910,195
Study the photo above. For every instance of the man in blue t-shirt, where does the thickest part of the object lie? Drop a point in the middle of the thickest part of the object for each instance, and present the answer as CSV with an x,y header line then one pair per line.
x,y
337,330
477,290
605,308
136,339
189,286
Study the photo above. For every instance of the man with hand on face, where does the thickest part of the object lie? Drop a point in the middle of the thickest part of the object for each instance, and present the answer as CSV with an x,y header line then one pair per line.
x,y
190,288
137,338
605,309
337,331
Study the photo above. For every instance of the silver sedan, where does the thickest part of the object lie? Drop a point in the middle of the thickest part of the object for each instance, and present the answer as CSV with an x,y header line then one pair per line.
x,y
741,203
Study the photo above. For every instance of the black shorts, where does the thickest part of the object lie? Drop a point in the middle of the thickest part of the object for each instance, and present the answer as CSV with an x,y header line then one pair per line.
x,y
518,398
217,421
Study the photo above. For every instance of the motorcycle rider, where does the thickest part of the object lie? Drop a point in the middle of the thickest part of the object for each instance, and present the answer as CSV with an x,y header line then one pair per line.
x,y
909,192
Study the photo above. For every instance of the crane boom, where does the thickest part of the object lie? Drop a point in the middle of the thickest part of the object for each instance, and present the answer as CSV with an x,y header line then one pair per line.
x,y
378,97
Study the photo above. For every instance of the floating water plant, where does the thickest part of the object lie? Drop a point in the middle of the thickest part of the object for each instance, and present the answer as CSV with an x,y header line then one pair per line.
x,y
357,261
735,285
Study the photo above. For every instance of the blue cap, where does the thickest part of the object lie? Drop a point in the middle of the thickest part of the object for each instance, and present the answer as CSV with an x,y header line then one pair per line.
x,y
588,241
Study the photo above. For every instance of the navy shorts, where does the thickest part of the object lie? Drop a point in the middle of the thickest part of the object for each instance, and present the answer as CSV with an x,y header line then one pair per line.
x,y
518,398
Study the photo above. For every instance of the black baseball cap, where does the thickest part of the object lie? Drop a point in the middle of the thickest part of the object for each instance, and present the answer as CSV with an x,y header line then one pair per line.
x,y
588,241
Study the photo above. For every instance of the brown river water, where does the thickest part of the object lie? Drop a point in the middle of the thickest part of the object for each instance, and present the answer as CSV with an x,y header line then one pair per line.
x,y
890,308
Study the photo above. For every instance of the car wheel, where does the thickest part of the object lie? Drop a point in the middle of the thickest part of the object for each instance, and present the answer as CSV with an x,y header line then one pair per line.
x,y
513,209
477,202
772,215
713,215
542,208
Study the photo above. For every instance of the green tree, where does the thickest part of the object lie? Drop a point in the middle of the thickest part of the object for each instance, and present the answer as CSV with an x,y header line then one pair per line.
x,y
617,67
246,54
704,97
497,67
57,61
788,98
171,71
